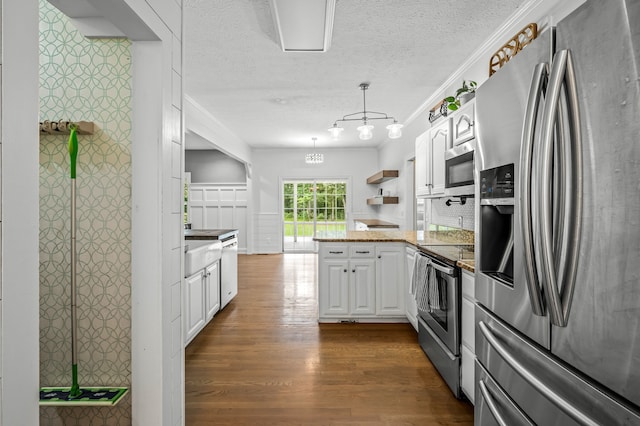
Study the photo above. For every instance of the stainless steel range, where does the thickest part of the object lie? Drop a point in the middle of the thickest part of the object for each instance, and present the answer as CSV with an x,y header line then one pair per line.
x,y
438,298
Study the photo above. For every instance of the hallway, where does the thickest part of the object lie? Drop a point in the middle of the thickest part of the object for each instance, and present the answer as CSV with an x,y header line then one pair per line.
x,y
265,360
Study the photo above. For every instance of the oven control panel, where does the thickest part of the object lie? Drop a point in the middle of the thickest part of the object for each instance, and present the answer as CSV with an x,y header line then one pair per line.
x,y
497,182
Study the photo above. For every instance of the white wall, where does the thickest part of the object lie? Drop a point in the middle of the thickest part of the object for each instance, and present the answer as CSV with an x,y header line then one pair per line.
x,y
272,165
212,166
157,244
20,344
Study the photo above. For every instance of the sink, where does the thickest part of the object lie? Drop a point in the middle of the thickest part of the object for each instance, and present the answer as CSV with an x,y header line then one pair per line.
x,y
198,258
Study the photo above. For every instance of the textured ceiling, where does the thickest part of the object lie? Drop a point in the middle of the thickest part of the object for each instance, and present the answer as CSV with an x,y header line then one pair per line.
x,y
235,69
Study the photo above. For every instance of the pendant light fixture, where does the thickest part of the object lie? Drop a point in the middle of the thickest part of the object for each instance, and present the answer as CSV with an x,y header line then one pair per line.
x,y
366,130
314,157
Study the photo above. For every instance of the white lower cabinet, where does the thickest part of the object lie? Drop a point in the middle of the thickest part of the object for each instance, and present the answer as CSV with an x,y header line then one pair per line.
x,y
360,282
201,300
410,298
467,373
362,287
212,290
390,279
194,306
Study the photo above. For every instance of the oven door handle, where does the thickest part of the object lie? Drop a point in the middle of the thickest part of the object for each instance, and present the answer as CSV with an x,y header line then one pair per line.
x,y
443,269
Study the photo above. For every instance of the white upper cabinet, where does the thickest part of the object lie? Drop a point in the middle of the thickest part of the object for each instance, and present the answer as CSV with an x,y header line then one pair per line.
x,y
463,121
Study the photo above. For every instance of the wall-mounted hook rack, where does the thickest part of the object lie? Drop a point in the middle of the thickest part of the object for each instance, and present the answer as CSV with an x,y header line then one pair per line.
x,y
63,127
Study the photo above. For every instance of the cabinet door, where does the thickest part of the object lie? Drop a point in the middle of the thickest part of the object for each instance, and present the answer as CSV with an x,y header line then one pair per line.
x,y
333,288
362,287
212,290
422,166
463,123
467,372
390,280
440,141
194,306
410,299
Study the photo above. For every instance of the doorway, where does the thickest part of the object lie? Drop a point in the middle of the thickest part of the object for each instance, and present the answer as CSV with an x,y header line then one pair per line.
x,y
312,207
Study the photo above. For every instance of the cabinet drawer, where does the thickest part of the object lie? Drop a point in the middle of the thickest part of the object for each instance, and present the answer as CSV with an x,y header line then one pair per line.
x,y
362,250
334,251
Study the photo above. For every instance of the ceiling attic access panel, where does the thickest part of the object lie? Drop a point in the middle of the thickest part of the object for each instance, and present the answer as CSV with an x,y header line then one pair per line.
x,y
303,26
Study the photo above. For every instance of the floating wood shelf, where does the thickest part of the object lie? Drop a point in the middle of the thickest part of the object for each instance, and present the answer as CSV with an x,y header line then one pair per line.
x,y
64,127
375,201
382,175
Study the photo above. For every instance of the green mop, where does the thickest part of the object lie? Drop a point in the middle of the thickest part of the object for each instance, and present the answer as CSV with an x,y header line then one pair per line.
x,y
76,395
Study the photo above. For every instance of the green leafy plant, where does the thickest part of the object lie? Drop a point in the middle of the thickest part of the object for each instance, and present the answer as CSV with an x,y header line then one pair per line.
x,y
467,87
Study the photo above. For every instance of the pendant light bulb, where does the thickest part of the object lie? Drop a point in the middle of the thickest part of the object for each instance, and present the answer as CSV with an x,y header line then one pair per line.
x,y
335,131
394,130
365,131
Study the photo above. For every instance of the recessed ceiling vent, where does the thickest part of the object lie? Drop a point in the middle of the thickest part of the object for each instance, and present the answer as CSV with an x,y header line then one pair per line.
x,y
303,25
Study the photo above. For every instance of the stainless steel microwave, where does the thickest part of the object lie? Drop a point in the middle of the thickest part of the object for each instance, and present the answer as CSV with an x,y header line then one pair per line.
x,y
458,163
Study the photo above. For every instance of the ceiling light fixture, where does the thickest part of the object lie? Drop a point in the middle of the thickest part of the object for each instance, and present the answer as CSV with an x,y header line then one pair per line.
x,y
366,130
314,157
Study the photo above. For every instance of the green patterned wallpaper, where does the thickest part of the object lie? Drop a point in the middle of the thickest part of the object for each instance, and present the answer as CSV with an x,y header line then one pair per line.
x,y
90,80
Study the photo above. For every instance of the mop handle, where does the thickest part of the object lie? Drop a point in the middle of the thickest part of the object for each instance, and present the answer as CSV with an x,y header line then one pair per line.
x,y
73,155
73,148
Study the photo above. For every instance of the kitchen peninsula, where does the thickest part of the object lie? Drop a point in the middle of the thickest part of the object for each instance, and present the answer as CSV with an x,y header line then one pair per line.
x,y
365,276
450,246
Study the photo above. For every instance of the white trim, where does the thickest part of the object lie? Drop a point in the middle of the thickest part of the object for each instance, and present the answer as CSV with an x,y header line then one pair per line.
x,y
199,121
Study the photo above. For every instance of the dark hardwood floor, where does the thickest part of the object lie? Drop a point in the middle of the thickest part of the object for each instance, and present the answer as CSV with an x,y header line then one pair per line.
x,y
264,360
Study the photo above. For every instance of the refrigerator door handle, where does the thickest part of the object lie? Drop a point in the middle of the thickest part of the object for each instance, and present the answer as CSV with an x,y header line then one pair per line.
x,y
571,243
491,396
533,378
559,304
491,404
538,85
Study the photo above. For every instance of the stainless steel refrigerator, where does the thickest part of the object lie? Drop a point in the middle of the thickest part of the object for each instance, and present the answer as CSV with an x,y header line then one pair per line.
x,y
558,245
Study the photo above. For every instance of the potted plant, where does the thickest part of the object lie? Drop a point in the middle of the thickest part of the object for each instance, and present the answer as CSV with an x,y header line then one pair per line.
x,y
463,95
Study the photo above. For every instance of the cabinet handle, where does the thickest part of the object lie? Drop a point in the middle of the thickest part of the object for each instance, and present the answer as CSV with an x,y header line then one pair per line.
x,y
335,252
379,256
362,252
353,270
345,270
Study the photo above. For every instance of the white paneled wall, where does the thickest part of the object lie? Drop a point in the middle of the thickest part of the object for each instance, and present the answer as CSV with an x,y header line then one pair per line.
x,y
268,235
219,206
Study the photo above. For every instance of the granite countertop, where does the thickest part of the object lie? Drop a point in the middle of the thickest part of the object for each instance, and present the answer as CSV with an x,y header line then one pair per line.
x,y
209,234
454,247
